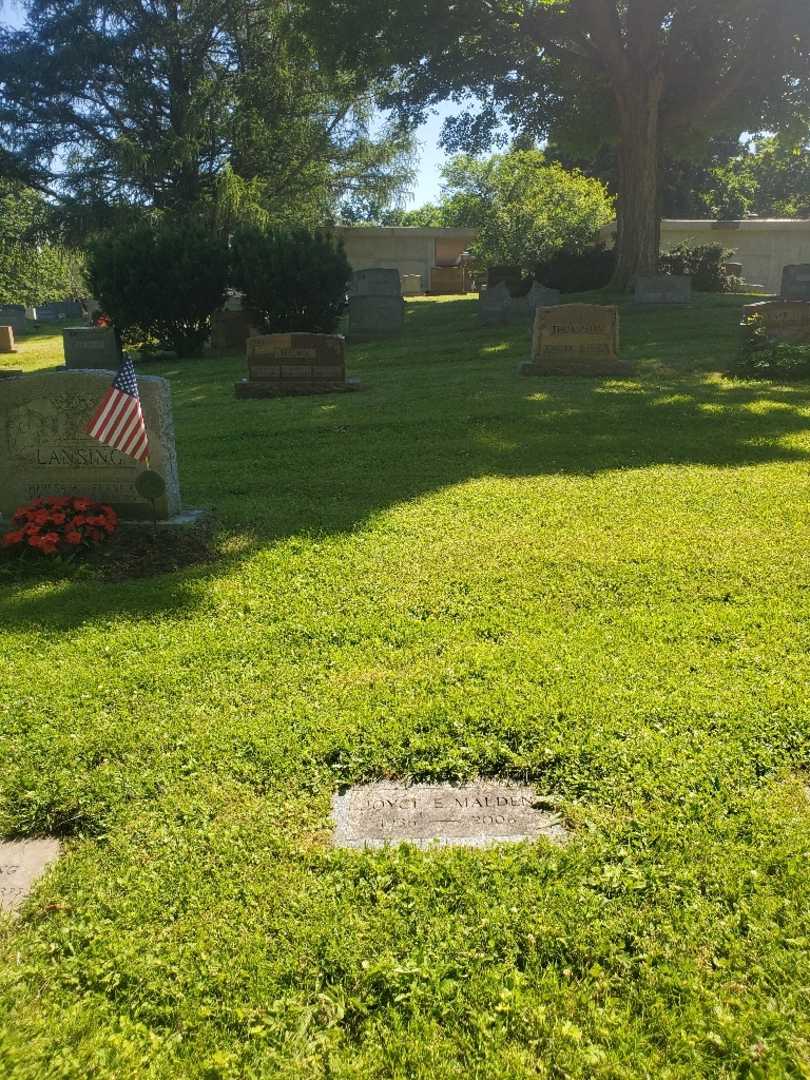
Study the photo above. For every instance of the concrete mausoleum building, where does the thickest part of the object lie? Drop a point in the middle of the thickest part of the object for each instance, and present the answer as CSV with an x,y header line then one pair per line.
x,y
412,251
764,246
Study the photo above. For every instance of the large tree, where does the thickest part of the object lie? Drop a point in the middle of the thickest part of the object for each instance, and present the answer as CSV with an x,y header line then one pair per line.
x,y
108,104
653,75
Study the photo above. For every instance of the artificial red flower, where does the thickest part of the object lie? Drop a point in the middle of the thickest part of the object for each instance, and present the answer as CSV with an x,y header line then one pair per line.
x,y
80,519
41,517
14,537
31,530
82,504
73,537
58,519
34,541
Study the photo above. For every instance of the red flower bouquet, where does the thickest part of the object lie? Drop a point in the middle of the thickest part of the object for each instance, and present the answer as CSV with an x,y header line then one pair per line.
x,y
60,525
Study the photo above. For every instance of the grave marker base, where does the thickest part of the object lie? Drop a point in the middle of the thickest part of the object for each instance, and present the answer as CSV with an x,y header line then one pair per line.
x,y
271,388
587,368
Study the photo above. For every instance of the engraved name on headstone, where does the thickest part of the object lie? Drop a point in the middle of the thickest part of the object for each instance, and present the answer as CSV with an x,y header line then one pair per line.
x,y
478,814
576,339
44,449
22,863
785,320
796,282
283,364
663,289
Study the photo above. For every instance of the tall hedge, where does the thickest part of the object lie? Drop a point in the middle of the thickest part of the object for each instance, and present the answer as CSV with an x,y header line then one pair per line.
x,y
297,279
161,280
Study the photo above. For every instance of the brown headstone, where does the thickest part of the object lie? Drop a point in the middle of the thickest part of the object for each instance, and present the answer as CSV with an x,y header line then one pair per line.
x,y
576,339
282,364
785,320
7,339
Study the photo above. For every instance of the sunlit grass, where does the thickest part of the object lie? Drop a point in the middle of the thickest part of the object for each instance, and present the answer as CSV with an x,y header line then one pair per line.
x,y
601,586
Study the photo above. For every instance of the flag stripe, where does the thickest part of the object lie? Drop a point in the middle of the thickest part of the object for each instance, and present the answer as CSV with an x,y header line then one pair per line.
x,y
119,421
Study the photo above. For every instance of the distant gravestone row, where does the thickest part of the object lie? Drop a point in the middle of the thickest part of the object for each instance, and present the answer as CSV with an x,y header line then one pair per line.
x,y
376,307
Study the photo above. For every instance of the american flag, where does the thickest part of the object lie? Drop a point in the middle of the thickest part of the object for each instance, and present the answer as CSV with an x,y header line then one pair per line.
x,y
118,421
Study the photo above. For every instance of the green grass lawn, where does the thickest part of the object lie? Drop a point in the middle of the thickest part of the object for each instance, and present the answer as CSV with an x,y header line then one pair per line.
x,y
600,585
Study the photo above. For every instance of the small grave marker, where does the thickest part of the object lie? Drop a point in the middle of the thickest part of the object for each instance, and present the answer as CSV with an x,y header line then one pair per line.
x,y
796,282
375,315
479,814
376,281
22,863
576,339
7,339
91,348
291,364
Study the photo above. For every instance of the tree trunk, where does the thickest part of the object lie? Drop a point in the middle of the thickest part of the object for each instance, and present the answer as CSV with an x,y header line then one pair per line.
x,y
638,236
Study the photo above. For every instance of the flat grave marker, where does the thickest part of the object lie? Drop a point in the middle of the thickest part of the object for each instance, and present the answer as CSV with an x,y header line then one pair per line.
x,y
576,339
479,814
22,864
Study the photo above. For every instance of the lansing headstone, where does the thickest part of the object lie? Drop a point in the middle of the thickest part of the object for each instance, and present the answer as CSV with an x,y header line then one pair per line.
x,y
44,449
480,814
796,282
576,339
663,289
376,281
375,315
91,347
22,863
280,365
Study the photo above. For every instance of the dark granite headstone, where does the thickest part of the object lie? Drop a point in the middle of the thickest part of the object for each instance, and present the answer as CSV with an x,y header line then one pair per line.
x,y
89,347
374,316
796,282
281,365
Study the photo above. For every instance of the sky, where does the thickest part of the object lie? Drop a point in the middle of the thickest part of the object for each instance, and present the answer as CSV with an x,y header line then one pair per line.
x,y
431,156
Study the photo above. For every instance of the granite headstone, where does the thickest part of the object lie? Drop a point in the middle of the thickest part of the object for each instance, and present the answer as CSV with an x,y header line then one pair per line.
x,y
796,282
785,320
293,364
88,347
376,281
493,305
44,449
375,315
576,339
663,289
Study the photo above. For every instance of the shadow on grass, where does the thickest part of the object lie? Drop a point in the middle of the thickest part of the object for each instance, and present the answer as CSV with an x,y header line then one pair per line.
x,y
444,406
